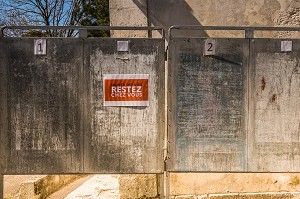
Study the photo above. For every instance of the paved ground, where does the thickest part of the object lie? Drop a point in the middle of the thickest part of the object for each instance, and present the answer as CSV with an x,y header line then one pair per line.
x,y
90,187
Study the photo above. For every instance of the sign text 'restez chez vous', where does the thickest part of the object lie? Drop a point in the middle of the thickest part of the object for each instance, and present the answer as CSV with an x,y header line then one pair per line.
x,y
126,89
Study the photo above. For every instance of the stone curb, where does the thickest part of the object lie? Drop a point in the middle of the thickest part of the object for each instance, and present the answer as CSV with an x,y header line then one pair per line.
x,y
266,195
43,186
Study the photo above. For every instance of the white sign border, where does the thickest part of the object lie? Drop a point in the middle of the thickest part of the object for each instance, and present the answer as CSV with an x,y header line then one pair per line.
x,y
125,76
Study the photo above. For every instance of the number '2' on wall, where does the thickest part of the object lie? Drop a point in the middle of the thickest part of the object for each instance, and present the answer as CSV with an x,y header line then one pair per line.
x,y
210,47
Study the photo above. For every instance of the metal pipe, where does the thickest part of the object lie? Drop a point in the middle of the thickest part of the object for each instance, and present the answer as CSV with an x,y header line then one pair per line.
x,y
243,28
146,28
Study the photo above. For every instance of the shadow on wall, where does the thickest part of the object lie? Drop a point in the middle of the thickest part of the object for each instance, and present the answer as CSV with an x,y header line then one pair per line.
x,y
168,13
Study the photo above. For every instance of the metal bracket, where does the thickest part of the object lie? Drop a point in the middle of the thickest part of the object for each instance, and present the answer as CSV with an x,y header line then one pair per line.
x,y
83,33
249,33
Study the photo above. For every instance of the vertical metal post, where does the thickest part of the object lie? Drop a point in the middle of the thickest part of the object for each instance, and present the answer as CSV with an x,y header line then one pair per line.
x,y
166,136
83,33
148,19
249,33
1,31
1,186
3,113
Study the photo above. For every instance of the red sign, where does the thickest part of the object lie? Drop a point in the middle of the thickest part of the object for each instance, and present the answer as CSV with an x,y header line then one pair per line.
x,y
126,90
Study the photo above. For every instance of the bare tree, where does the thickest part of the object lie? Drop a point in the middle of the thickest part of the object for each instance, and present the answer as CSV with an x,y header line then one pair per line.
x,y
42,12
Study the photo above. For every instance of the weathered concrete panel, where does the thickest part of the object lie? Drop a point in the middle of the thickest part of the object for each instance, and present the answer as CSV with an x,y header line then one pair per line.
x,y
52,108
3,116
44,133
124,139
274,131
207,100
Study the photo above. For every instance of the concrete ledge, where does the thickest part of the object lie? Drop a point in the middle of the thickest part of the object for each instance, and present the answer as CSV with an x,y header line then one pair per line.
x,y
41,187
138,186
266,195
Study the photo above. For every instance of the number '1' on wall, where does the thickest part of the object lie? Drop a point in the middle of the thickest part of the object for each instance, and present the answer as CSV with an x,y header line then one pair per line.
x,y
40,46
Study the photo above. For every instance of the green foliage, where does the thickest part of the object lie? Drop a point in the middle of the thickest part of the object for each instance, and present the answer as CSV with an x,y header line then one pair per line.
x,y
95,13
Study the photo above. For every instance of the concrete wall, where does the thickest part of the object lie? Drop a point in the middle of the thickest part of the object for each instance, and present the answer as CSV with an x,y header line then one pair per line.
x,y
122,12
206,13
214,13
221,183
139,186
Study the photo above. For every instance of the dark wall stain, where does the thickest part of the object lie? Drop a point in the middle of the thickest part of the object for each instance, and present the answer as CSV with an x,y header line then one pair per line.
x,y
263,83
274,97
